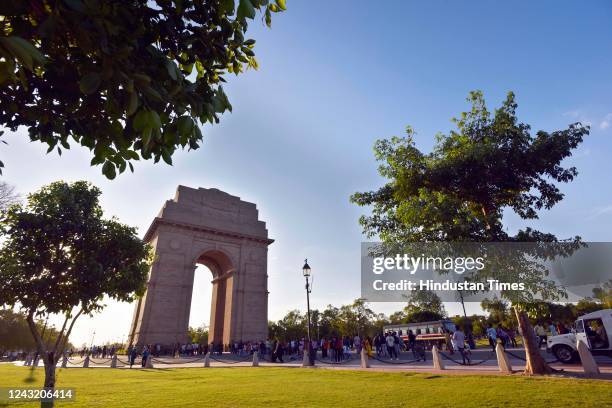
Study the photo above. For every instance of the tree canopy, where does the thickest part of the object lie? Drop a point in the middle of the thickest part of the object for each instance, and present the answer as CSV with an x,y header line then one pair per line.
x,y
126,79
60,253
60,256
458,193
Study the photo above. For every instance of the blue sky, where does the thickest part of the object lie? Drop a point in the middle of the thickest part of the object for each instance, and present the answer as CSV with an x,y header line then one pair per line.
x,y
334,77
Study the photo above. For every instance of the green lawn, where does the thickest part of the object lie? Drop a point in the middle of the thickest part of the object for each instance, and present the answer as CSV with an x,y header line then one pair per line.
x,y
284,387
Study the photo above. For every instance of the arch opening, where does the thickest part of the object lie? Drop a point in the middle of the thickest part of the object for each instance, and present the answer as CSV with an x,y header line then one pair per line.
x,y
221,269
201,295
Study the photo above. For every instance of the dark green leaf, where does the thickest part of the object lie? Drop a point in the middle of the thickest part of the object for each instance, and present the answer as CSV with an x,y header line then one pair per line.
x,y
108,169
90,83
245,9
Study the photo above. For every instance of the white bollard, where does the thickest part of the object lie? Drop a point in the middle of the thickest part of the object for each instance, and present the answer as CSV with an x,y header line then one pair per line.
x,y
207,360
114,361
591,368
365,360
502,359
437,360
86,362
255,359
65,361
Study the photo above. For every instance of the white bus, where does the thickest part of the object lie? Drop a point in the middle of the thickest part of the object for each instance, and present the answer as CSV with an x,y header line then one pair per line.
x,y
425,331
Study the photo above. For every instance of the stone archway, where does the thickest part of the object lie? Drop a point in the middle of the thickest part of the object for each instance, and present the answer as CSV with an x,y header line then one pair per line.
x,y
222,232
222,283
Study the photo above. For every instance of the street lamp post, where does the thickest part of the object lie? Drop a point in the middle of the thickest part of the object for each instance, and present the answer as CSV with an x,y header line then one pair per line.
x,y
308,355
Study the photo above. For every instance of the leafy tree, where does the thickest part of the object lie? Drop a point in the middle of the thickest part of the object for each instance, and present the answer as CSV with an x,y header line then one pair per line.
x,y
479,325
497,308
425,300
397,317
355,318
421,315
59,256
292,326
329,322
198,335
459,191
126,79
15,332
603,294
274,331
585,306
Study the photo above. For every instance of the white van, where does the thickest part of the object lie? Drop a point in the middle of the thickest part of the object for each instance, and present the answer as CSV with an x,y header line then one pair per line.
x,y
593,329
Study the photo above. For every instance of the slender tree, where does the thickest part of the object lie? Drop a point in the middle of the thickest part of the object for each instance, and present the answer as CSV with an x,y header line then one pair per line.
x,y
59,256
15,332
8,196
126,79
490,164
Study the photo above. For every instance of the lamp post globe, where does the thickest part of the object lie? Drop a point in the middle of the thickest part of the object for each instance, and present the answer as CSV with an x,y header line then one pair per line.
x,y
306,269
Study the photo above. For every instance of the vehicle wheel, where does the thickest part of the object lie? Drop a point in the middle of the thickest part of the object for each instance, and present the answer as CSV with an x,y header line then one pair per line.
x,y
564,354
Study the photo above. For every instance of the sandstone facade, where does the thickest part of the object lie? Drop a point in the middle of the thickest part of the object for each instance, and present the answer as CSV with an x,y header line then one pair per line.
x,y
213,228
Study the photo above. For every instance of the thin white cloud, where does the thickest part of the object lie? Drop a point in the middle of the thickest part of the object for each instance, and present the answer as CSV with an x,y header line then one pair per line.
x,y
572,114
597,212
605,123
578,116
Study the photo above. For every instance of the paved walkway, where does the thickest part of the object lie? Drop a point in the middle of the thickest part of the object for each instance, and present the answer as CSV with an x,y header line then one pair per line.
x,y
483,362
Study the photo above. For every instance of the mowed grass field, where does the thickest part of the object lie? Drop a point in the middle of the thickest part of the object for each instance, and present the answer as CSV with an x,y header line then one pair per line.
x,y
297,387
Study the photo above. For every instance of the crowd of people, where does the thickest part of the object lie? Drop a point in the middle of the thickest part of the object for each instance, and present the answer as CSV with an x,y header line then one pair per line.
x,y
336,348
104,351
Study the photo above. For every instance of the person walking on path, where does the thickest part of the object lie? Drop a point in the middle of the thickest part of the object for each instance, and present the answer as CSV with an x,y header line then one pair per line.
x,y
458,341
390,340
339,349
492,335
367,345
132,354
357,343
145,355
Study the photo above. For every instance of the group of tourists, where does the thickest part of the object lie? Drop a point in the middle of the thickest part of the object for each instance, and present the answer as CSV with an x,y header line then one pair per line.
x,y
133,352
543,330
93,352
335,348
507,337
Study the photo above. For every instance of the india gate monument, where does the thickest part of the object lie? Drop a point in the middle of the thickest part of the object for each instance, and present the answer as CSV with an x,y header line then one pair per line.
x,y
222,232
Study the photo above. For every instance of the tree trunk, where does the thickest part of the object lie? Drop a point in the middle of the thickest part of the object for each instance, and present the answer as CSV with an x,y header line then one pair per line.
x,y
48,359
49,379
535,363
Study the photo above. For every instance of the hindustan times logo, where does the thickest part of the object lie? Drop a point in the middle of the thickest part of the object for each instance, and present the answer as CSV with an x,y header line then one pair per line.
x,y
412,264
